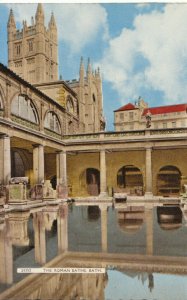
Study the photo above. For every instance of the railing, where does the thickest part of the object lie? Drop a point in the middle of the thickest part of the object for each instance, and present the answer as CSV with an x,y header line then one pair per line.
x,y
121,134
168,131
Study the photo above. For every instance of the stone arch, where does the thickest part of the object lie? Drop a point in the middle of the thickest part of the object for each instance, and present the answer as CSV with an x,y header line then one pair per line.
x,y
20,163
130,179
168,181
52,122
90,181
24,107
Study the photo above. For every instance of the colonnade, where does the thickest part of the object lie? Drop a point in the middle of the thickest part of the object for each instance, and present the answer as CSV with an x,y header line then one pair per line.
x,y
38,163
61,166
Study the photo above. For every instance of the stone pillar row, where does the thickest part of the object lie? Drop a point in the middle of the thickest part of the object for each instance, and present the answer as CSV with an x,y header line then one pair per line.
x,y
38,163
5,160
61,157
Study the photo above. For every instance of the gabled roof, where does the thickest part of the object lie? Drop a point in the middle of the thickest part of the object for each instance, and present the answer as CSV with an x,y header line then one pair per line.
x,y
165,109
128,106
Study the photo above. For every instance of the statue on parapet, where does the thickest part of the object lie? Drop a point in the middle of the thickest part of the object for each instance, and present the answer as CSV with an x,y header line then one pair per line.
x,y
148,119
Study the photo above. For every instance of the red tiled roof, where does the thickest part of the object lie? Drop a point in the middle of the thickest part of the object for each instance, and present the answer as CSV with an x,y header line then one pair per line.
x,y
165,109
128,106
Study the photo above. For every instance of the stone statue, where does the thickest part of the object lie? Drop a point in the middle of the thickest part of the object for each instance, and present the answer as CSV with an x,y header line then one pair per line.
x,y
102,123
148,119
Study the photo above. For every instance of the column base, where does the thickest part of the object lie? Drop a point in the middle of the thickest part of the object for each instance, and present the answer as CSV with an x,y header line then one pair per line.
x,y
148,195
103,195
62,191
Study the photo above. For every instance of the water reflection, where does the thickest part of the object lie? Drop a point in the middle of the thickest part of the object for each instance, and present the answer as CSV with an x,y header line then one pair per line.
x,y
169,218
131,219
130,240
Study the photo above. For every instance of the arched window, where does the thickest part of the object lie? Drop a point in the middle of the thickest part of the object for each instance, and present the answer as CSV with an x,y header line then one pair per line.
x,y
23,107
70,105
168,181
52,122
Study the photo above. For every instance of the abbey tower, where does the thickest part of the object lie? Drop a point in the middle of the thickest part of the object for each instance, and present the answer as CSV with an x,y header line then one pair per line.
x,y
33,51
33,55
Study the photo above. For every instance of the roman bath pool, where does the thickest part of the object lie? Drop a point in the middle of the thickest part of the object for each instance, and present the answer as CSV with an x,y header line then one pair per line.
x,y
142,248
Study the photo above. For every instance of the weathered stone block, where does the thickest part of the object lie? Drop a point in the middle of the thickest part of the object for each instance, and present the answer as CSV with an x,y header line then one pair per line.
x,y
17,193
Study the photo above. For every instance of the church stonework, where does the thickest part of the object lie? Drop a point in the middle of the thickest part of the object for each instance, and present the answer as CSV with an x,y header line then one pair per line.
x,y
33,55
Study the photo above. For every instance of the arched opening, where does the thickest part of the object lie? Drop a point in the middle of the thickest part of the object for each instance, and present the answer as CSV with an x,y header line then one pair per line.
x,y
130,180
90,181
18,167
52,122
24,108
168,181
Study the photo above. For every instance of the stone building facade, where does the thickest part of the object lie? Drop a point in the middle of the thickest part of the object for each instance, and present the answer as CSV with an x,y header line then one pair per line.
x,y
33,55
137,116
49,133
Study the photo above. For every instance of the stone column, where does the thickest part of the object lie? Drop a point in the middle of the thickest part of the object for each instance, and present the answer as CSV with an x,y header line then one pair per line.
x,y
38,163
62,228
149,229
5,160
6,257
39,238
148,172
61,167
104,244
103,186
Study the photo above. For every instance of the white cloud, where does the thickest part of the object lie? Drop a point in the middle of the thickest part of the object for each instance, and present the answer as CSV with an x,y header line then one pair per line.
x,y
159,39
78,24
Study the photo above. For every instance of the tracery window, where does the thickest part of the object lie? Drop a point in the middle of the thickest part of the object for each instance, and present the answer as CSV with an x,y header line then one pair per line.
x,y
23,107
51,122
70,105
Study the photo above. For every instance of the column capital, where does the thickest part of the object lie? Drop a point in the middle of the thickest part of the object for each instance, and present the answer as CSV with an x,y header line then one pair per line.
x,y
37,145
103,207
61,152
148,147
4,135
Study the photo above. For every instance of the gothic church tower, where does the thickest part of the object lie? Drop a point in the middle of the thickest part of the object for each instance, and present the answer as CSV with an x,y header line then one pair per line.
x,y
33,50
89,91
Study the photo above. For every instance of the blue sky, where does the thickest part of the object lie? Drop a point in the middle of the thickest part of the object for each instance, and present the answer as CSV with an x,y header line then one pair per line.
x,y
140,48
